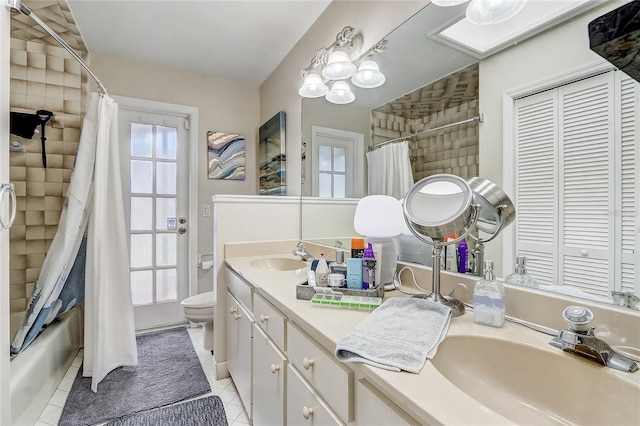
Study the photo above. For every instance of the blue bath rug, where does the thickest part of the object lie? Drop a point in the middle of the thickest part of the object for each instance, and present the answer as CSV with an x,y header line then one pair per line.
x,y
168,371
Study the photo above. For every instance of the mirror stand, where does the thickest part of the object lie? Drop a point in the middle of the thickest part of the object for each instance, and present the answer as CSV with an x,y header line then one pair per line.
x,y
457,307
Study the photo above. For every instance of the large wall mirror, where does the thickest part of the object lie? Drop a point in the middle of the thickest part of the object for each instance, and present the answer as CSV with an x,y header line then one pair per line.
x,y
426,78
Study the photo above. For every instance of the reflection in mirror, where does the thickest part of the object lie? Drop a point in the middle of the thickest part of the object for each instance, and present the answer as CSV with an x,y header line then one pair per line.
x,y
433,73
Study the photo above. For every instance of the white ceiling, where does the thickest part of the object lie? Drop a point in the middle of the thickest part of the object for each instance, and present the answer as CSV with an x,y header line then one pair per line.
x,y
242,40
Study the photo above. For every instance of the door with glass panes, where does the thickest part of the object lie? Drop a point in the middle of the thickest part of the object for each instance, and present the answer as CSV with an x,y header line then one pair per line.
x,y
154,152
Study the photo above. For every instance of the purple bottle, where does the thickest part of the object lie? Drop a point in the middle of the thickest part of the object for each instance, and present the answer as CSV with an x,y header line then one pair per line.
x,y
462,256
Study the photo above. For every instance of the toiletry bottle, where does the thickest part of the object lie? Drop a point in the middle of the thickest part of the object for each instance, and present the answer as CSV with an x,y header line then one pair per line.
x,y
488,298
357,247
462,256
322,272
338,267
354,273
520,276
368,268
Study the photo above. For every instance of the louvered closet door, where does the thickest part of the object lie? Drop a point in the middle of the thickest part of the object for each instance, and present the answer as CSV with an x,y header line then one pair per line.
x,y
629,232
537,182
586,131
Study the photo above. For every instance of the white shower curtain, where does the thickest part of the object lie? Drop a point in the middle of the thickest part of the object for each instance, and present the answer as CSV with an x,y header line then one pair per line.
x,y
109,335
389,170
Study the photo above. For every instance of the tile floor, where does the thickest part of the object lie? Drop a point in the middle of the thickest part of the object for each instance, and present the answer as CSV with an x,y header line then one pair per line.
x,y
224,388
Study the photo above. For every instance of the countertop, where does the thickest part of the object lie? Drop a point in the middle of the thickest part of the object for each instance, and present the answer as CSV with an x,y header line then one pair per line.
x,y
428,396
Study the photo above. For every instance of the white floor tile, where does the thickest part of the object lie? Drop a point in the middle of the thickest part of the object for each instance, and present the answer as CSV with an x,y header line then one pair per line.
x,y
51,415
58,398
65,384
227,396
233,412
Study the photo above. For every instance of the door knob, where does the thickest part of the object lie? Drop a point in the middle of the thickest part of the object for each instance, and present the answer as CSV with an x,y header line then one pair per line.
x,y
182,230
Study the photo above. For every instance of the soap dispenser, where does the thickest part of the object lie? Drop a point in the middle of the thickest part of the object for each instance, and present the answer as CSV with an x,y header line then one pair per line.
x,y
520,276
488,298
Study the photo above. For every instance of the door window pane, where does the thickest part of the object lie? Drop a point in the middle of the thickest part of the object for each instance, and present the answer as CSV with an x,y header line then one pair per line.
x,y
141,246
166,249
141,177
324,158
339,157
166,142
324,185
141,213
142,287
166,178
141,140
339,186
166,285
165,208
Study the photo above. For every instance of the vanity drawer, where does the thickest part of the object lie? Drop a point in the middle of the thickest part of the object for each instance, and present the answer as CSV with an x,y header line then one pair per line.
x,y
271,320
373,408
304,406
240,289
332,380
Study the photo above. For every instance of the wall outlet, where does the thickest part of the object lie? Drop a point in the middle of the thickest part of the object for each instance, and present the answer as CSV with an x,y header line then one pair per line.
x,y
206,210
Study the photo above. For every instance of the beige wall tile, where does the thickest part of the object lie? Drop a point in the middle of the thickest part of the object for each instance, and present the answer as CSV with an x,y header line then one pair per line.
x,y
34,217
18,305
32,274
36,232
34,247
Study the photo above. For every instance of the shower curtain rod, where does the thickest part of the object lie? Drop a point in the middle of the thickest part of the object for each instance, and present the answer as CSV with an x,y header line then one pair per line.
x,y
479,118
18,6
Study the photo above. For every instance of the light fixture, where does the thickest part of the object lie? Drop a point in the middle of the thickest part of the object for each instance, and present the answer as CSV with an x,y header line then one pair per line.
x,y
486,12
338,62
339,66
313,86
368,75
340,93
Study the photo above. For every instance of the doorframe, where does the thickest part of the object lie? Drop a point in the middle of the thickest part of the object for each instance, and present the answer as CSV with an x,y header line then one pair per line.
x,y
191,114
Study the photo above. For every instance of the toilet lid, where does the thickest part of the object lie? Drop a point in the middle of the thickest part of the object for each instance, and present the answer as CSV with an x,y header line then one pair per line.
x,y
202,300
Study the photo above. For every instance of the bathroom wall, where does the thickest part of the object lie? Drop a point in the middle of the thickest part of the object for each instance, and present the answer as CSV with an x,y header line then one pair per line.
x,y
43,76
223,105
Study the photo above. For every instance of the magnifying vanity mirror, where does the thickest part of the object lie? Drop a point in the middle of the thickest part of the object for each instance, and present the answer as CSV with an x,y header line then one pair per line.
x,y
439,211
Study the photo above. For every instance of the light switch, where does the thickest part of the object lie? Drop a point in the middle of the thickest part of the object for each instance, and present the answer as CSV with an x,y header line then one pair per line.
x,y
206,210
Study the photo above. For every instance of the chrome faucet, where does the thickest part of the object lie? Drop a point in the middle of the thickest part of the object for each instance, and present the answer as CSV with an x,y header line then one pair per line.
x,y
302,252
580,339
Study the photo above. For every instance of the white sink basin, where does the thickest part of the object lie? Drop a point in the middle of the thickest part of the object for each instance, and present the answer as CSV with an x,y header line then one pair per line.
x,y
529,385
279,264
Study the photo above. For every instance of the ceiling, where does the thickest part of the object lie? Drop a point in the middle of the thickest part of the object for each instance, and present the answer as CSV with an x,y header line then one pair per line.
x,y
241,40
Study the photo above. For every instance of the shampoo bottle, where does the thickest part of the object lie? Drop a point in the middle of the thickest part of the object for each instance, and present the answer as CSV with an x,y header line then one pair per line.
x,y
462,256
368,268
322,272
488,298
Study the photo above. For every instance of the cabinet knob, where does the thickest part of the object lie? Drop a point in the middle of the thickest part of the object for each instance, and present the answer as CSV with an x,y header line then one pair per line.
x,y
233,311
584,252
264,318
237,316
307,412
307,363
275,368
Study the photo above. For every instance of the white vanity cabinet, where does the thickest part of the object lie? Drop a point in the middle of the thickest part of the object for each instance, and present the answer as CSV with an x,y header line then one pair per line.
x,y
329,378
304,405
239,347
269,370
375,409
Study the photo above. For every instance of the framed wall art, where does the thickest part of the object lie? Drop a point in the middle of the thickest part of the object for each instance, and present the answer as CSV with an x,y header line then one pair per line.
x,y
226,155
271,155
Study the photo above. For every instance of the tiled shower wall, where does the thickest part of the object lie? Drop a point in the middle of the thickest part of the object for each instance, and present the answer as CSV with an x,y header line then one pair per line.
x,y
453,150
43,76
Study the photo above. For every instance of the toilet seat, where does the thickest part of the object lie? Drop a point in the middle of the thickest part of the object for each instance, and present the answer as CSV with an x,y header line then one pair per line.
x,y
202,301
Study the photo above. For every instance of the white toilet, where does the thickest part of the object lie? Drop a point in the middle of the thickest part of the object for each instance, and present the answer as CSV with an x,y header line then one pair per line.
x,y
199,309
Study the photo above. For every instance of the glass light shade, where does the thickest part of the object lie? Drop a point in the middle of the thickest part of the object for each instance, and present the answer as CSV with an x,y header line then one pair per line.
x,y
368,75
340,93
338,66
313,87
446,3
488,12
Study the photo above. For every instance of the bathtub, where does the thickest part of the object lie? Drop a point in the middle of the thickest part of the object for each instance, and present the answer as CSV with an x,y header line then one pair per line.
x,y
37,371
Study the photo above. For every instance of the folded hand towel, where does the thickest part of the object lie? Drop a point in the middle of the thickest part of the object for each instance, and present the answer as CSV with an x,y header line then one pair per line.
x,y
399,335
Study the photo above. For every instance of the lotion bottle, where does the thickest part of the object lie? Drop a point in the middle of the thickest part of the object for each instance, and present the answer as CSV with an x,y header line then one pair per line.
x,y
488,298
368,268
322,272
